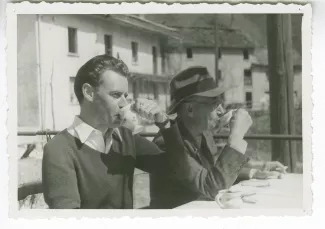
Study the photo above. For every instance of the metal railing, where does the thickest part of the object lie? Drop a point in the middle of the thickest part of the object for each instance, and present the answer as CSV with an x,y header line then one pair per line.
x,y
217,136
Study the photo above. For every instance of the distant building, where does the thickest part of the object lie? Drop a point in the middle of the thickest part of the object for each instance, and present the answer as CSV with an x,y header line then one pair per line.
x,y
260,79
242,66
51,48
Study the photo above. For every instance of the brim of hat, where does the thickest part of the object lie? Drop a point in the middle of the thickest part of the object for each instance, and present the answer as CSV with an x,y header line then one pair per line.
x,y
210,93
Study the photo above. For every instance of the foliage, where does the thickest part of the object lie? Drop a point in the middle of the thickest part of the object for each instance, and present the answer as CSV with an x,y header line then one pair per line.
x,y
261,149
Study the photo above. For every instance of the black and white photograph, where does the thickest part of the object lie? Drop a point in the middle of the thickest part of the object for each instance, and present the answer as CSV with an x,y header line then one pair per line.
x,y
185,111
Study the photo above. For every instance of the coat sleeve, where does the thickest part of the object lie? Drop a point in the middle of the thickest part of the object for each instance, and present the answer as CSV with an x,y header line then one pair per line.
x,y
192,174
149,157
59,178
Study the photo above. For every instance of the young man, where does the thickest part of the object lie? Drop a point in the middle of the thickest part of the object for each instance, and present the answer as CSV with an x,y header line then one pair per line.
x,y
90,164
194,98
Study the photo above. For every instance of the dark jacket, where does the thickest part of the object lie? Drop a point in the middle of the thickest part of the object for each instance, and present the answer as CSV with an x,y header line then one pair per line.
x,y
203,170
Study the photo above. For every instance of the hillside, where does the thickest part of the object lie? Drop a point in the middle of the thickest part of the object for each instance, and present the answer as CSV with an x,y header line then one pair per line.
x,y
253,26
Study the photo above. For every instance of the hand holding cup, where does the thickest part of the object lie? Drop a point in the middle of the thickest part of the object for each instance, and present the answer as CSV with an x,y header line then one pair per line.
x,y
240,122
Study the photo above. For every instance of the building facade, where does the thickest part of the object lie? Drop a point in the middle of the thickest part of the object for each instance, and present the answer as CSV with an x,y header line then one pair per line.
x,y
51,49
243,70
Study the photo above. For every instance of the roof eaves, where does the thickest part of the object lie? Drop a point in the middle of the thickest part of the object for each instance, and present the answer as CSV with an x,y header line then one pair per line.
x,y
152,77
153,23
192,45
144,24
203,37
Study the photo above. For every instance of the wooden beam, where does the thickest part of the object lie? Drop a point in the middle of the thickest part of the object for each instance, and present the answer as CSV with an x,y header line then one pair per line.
x,y
279,40
216,48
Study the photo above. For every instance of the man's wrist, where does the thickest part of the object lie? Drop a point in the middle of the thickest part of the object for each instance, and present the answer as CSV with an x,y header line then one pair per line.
x,y
163,125
252,173
237,142
167,121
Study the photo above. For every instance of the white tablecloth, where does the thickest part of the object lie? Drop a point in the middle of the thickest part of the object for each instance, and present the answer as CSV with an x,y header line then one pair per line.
x,y
282,193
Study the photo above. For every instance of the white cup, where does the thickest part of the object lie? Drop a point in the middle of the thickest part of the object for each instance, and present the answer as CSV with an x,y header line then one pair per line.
x,y
224,120
227,199
131,120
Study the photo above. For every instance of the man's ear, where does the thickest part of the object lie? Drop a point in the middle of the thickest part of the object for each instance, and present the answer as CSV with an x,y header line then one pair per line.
x,y
88,92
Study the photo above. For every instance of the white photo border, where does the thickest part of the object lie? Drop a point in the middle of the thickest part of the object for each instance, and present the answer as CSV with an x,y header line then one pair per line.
x,y
153,8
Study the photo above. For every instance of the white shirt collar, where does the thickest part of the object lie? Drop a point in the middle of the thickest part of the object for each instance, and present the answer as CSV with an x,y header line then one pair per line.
x,y
83,131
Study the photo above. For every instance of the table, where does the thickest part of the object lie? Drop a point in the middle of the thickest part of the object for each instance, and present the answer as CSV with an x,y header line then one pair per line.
x,y
282,193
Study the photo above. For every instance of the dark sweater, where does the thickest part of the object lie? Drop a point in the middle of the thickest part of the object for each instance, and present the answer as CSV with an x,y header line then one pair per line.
x,y
77,176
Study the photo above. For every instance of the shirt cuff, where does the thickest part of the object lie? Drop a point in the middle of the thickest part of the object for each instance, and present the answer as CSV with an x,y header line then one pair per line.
x,y
238,144
252,173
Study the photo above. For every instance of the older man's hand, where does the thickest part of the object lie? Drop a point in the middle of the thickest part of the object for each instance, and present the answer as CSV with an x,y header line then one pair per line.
x,y
274,166
263,174
267,170
240,123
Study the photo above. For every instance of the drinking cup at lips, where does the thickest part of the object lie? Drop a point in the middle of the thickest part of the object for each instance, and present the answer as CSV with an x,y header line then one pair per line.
x,y
131,120
224,120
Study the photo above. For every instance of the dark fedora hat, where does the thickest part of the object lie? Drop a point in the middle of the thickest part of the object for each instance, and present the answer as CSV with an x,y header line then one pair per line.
x,y
192,81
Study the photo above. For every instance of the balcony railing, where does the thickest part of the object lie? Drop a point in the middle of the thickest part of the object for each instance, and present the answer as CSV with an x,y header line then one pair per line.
x,y
217,136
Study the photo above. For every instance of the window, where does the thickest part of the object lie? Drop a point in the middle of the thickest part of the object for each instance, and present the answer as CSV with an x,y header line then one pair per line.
x,y
249,99
189,53
134,46
154,60
163,62
248,77
246,54
72,37
108,45
73,97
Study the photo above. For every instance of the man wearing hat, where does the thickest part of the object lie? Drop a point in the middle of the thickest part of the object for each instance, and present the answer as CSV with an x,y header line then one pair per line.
x,y
203,171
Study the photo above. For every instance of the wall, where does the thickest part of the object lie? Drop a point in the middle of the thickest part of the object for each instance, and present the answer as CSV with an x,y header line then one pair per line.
x,y
27,78
232,65
59,65
260,86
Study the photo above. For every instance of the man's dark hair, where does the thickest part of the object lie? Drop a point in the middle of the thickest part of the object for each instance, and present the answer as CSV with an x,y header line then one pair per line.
x,y
91,72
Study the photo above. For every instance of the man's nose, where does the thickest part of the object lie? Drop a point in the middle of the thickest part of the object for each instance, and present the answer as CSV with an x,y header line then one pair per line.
x,y
122,102
220,110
